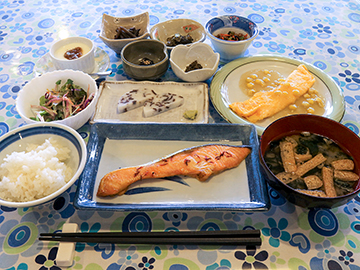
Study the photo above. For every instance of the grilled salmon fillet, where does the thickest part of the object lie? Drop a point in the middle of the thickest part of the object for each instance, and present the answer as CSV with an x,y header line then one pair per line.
x,y
199,162
265,104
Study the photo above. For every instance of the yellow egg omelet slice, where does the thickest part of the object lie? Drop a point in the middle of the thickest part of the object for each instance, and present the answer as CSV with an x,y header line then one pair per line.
x,y
265,104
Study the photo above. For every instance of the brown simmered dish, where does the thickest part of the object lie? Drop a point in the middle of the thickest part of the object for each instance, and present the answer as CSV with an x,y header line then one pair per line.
x,y
179,39
123,32
192,66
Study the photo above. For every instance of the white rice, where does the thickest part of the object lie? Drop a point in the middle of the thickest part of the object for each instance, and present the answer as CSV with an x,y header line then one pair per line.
x,y
34,173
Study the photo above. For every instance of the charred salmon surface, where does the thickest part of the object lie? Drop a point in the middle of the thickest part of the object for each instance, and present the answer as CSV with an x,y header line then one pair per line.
x,y
199,162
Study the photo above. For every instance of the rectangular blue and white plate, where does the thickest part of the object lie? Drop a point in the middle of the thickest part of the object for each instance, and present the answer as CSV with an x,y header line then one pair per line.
x,y
115,145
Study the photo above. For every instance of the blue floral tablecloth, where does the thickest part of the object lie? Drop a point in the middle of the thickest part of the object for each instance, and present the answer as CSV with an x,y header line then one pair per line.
x,y
325,33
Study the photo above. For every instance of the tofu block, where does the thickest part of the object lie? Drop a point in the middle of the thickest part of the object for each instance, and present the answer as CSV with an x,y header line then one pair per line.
x,y
346,175
134,99
316,193
313,182
328,180
343,164
162,103
287,156
311,164
287,177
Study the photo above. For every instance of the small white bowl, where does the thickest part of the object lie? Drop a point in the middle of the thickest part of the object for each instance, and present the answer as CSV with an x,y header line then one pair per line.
x,y
110,23
85,63
181,56
38,86
230,50
166,29
18,139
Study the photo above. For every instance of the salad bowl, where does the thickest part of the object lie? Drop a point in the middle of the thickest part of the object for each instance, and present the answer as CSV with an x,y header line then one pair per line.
x,y
30,98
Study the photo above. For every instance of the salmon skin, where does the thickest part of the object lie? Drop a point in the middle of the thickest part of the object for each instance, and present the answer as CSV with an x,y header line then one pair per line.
x,y
199,162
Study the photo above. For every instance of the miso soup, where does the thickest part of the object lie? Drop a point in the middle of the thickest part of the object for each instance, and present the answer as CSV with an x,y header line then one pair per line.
x,y
312,164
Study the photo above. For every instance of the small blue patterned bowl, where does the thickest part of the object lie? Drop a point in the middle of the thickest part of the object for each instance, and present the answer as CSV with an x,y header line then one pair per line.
x,y
230,50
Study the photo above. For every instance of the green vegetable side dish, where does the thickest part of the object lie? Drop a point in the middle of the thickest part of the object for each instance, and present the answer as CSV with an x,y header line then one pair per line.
x,y
61,102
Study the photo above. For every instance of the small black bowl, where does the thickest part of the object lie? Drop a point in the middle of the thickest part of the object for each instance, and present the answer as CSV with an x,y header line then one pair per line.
x,y
295,124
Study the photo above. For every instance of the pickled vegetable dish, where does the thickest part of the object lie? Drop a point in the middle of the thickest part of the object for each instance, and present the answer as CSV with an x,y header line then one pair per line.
x,y
61,102
232,36
312,164
179,39
123,32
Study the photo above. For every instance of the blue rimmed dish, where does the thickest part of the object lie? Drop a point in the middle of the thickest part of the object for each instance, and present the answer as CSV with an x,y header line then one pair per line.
x,y
112,146
18,139
230,49
224,88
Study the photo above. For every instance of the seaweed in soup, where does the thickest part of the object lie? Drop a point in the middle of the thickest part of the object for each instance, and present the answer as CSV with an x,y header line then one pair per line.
x,y
273,159
301,149
308,149
298,184
343,187
311,142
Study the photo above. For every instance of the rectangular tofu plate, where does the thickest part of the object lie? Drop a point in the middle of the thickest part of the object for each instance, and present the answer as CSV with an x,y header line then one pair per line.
x,y
114,146
195,98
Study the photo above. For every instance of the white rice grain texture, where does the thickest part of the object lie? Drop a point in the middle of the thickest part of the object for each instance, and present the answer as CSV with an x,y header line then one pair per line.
x,y
35,173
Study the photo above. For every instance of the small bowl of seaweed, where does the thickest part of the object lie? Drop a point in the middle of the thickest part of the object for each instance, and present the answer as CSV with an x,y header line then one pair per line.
x,y
194,63
312,161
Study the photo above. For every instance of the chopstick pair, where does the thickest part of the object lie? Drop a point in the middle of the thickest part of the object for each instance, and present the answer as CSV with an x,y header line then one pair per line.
x,y
233,237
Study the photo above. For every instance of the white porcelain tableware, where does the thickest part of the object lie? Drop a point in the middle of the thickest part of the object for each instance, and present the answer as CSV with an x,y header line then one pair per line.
x,y
164,30
182,56
195,99
85,62
18,139
38,86
45,63
225,87
230,50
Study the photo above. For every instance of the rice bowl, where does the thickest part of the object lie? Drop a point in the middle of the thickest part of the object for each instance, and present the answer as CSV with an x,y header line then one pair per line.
x,y
35,173
50,166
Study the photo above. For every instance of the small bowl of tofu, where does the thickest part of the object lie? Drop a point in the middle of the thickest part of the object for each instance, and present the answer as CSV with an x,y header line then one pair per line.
x,y
311,160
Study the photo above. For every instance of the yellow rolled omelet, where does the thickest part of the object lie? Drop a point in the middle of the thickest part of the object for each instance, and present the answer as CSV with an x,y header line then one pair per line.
x,y
265,104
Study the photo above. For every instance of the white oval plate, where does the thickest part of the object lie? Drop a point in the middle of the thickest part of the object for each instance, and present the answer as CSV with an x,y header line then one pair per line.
x,y
224,88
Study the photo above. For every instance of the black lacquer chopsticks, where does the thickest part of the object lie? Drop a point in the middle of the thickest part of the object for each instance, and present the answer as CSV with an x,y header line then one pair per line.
x,y
233,237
